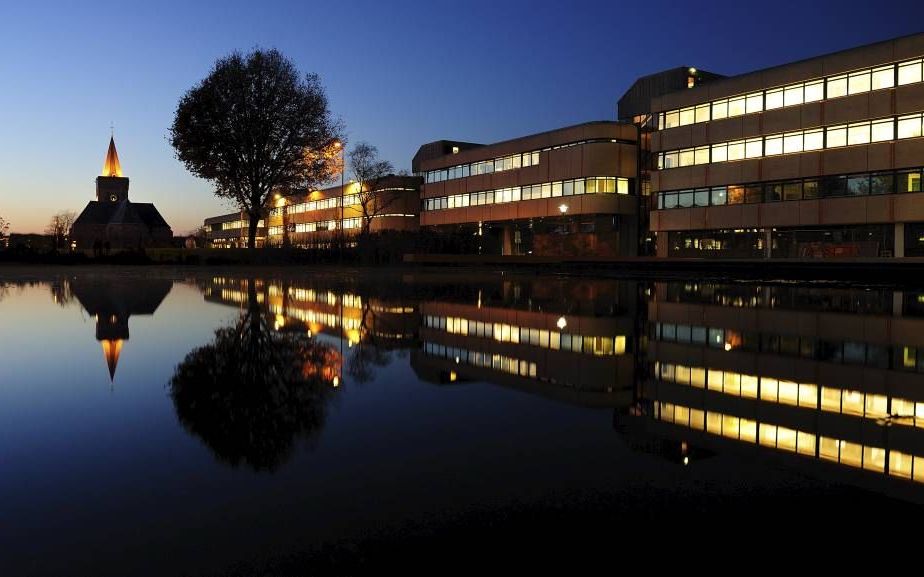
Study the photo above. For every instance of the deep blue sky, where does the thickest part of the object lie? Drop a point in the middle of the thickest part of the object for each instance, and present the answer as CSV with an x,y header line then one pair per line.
x,y
399,74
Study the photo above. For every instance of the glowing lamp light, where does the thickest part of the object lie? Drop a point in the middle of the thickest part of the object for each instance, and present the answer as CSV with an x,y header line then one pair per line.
x,y
336,381
692,70
453,376
728,346
562,323
563,208
686,460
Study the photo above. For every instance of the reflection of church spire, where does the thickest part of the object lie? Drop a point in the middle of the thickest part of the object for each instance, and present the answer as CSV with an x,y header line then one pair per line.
x,y
111,350
111,166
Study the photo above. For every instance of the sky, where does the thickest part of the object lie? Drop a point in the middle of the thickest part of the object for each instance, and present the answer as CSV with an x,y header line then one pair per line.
x,y
398,73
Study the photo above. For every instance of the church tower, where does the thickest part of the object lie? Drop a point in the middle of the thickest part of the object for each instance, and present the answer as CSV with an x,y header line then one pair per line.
x,y
111,186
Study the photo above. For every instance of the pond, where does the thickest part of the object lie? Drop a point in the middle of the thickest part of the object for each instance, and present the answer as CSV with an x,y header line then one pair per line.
x,y
198,421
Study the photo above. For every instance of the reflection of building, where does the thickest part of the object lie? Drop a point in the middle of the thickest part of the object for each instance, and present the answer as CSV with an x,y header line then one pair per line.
x,y
818,158
832,375
113,221
574,356
566,191
113,302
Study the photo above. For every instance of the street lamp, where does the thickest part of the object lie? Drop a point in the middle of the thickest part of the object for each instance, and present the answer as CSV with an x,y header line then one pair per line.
x,y
339,146
563,209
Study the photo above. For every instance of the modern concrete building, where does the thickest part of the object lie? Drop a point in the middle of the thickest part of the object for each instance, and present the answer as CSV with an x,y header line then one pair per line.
x,y
569,191
817,158
230,231
321,218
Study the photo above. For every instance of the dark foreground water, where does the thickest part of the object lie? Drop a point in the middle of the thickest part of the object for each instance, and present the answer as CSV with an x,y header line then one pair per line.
x,y
280,422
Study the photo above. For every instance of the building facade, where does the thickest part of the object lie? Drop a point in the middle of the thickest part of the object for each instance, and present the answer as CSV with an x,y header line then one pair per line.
x,y
231,230
818,158
569,191
322,218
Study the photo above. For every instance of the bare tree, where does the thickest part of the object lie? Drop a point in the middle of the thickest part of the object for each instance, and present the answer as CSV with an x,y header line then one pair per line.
x,y
59,228
368,169
254,127
4,231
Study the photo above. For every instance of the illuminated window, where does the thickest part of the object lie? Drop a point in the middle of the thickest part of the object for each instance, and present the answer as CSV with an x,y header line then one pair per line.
x,y
837,86
814,91
883,130
909,72
883,77
793,95
858,133
900,464
773,145
719,110
837,136
774,99
813,140
909,126
858,82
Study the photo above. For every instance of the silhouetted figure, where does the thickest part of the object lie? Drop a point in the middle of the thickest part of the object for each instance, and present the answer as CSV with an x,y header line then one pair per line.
x,y
253,391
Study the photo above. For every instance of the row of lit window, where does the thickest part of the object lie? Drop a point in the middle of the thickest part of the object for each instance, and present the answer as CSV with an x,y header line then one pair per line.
x,y
909,126
832,400
236,296
309,316
861,184
491,361
560,188
498,164
847,453
238,224
794,94
502,332
850,352
330,298
319,226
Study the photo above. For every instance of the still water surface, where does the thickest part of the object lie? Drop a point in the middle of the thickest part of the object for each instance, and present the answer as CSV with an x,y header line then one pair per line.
x,y
206,422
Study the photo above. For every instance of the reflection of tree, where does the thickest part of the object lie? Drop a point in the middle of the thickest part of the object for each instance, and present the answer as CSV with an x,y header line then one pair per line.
x,y
368,353
252,391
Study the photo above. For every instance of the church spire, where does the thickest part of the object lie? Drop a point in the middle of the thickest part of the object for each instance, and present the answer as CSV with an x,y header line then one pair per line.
x,y
111,166
111,350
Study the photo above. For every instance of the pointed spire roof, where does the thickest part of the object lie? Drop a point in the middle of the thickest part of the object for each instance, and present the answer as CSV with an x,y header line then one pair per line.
x,y
111,166
111,350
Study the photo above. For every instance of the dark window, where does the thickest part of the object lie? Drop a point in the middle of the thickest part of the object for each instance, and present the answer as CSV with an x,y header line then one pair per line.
x,y
774,192
792,190
834,186
810,189
883,183
753,193
858,185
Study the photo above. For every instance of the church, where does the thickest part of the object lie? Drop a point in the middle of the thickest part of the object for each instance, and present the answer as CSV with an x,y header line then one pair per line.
x,y
112,222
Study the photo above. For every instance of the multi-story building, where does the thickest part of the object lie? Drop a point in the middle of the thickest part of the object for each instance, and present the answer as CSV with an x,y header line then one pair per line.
x,y
817,158
569,191
231,230
321,218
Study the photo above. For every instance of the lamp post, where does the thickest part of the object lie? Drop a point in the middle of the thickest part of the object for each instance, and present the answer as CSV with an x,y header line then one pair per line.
x,y
339,146
563,209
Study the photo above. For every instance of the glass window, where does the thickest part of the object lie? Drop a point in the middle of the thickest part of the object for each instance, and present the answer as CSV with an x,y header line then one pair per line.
x,y
837,86
686,157
753,148
773,192
858,185
837,136
883,77
753,193
882,183
858,133
754,102
809,189
909,126
622,186
579,186
773,145
701,155
858,82
736,150
701,199
883,130
909,181
736,107
793,95
792,142
792,190
686,116
556,189
834,186
719,195
909,72
719,152
719,110
686,198
813,140
774,99
567,188
702,113
814,91
670,201
735,195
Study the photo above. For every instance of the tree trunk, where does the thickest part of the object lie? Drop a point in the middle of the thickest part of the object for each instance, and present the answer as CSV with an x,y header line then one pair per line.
x,y
252,231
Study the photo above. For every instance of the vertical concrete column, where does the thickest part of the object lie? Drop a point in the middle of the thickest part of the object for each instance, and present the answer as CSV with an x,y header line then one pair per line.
x,y
899,250
768,243
661,244
507,239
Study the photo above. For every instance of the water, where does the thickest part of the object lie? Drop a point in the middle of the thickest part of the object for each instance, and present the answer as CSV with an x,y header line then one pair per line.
x,y
213,422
